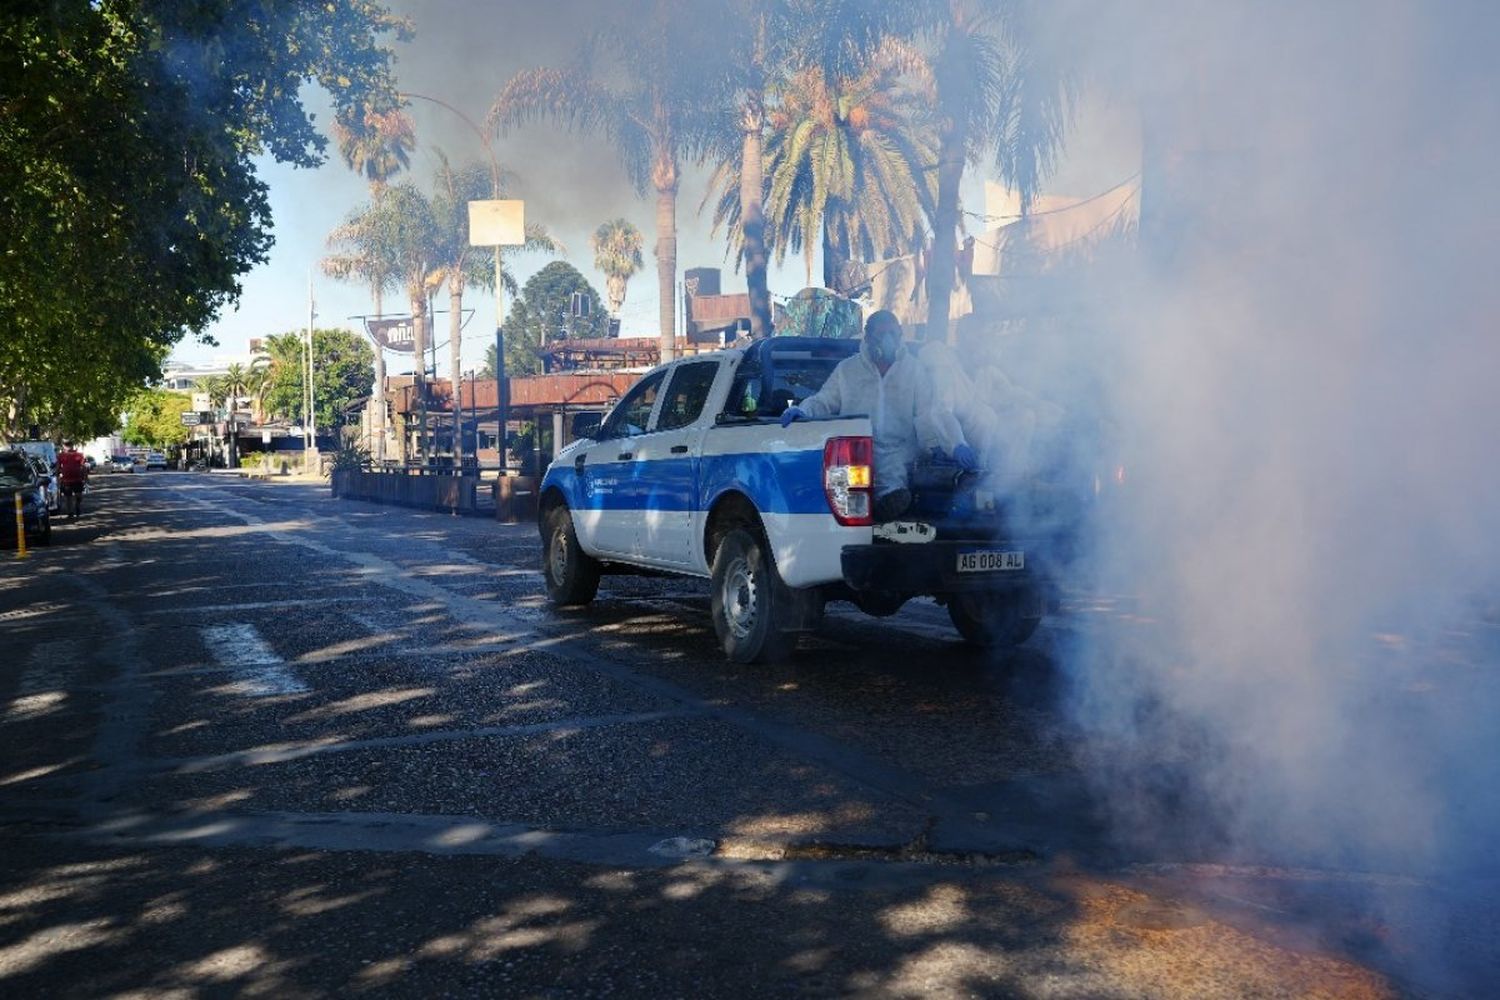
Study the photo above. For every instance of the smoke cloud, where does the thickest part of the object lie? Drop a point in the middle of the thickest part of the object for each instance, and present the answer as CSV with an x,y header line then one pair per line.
x,y
1294,660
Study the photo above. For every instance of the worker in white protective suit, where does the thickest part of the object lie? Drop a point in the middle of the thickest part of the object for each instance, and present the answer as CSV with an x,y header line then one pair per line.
x,y
959,399
885,381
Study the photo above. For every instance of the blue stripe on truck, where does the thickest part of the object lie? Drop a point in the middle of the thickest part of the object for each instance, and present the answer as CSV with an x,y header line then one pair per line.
x,y
788,482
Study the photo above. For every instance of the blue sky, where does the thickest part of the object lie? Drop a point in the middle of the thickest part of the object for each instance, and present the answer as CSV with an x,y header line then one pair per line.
x,y
462,53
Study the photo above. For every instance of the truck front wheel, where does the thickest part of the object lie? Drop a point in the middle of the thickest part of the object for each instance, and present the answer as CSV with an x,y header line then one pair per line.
x,y
749,601
572,575
995,620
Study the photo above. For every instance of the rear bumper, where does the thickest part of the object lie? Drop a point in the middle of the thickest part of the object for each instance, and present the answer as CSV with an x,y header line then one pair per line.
x,y
932,568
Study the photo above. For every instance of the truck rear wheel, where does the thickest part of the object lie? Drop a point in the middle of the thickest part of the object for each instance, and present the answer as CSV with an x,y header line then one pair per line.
x,y
749,601
572,575
995,620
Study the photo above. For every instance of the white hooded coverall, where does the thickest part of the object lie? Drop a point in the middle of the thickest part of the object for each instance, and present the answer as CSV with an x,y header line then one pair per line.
x,y
902,409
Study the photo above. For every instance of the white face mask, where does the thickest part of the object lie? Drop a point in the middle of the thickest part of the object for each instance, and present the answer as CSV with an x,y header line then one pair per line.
x,y
883,346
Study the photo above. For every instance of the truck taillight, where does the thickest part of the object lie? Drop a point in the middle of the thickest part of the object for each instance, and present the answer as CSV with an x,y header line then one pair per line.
x,y
847,479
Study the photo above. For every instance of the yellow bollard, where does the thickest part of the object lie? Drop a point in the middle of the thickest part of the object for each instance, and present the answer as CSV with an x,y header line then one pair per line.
x,y
20,530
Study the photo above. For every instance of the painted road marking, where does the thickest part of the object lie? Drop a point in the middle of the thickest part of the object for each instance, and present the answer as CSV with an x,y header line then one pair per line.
x,y
240,648
301,602
44,682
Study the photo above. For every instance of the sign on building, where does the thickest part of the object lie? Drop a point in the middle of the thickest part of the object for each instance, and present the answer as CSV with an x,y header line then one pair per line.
x,y
497,223
392,333
191,418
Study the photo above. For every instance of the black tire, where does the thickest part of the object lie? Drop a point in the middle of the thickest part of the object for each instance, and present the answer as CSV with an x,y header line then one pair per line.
x,y
750,603
44,531
994,620
572,575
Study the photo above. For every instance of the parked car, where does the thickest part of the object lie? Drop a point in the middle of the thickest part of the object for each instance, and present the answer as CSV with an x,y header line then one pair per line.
x,y
155,460
122,463
45,450
19,478
47,481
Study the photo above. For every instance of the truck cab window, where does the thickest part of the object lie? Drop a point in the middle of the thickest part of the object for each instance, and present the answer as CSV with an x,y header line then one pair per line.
x,y
632,415
744,393
686,394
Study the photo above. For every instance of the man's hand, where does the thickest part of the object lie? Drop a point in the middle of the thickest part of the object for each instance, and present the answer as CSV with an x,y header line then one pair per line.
x,y
966,459
792,413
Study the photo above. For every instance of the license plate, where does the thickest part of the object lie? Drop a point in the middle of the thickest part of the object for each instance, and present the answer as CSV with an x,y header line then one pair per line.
x,y
990,561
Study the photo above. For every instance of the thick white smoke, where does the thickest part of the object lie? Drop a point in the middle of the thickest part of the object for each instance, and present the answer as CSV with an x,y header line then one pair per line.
x,y
1303,369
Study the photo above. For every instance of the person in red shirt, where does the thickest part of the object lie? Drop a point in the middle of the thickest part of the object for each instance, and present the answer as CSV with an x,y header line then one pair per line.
x,y
72,474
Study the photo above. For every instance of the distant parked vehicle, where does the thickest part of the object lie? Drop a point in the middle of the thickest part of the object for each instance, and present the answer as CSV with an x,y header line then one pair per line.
x,y
155,460
45,450
18,478
46,479
122,463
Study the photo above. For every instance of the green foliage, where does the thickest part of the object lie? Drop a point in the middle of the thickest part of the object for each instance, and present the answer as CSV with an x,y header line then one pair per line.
x,y
617,252
375,144
456,262
343,371
541,316
849,163
652,91
154,419
351,457
128,196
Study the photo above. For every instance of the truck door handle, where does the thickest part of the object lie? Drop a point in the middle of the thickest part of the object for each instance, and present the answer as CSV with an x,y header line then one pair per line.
x,y
679,449
624,456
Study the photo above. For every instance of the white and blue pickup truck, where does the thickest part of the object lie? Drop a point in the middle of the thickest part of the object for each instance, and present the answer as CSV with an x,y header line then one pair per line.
x,y
691,474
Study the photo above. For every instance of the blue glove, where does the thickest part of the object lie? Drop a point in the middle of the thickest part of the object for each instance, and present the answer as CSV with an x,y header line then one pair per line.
x,y
792,413
965,457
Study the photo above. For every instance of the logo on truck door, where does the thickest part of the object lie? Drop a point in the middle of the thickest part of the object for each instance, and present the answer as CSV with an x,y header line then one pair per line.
x,y
599,485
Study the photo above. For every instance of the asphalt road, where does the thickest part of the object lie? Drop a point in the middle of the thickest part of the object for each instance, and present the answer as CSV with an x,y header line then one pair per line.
x,y
257,740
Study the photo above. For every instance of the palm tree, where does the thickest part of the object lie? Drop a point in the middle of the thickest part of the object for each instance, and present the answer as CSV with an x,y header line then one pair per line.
x,y
258,383
617,253
402,225
375,144
993,95
362,252
762,44
211,386
849,163
235,383
456,262
648,95
284,369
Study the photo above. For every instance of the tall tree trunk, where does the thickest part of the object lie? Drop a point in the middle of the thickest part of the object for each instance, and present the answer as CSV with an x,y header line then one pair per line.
x,y
419,369
614,286
941,263
455,341
832,259
753,218
232,461
380,406
666,265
